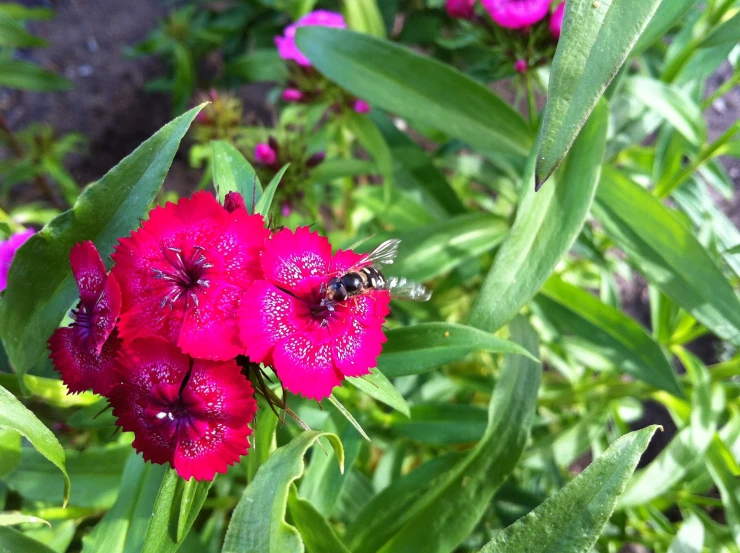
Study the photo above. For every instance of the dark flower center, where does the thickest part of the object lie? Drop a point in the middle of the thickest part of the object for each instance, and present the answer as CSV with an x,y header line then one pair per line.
x,y
83,322
186,274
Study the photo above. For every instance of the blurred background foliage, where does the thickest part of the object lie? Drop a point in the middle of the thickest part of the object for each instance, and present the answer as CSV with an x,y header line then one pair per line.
x,y
623,268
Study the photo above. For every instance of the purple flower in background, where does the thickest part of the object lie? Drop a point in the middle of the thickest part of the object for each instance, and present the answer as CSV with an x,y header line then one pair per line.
x,y
516,14
264,154
321,18
520,66
7,251
361,106
460,9
556,20
292,95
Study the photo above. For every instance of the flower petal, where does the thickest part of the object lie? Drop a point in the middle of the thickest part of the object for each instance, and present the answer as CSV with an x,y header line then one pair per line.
x,y
266,316
89,271
291,258
210,329
106,313
306,368
356,350
82,368
344,260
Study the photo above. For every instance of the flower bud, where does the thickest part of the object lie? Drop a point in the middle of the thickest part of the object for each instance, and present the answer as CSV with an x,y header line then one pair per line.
x,y
521,66
234,201
360,106
264,154
292,95
556,21
460,9
315,159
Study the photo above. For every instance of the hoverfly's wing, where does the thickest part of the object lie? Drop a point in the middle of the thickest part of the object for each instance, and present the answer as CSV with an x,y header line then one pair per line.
x,y
403,289
382,255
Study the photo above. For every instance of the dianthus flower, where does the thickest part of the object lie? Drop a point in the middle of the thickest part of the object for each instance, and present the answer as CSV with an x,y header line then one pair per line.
x,y
556,20
286,46
191,413
83,353
7,252
183,273
461,9
516,14
286,321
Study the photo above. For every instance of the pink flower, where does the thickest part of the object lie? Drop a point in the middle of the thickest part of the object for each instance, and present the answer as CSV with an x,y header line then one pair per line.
x,y
460,9
83,353
286,321
516,14
286,44
183,273
191,413
556,20
264,154
7,252
520,66
292,95
361,106
234,201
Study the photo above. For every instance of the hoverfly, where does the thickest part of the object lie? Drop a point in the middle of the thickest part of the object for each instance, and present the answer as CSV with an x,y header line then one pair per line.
x,y
366,275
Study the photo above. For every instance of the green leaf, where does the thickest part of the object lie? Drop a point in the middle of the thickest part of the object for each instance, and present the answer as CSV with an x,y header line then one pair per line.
x,y
372,140
51,391
15,416
414,171
364,16
442,423
546,226
571,520
439,247
177,505
23,75
666,16
258,523
347,415
315,530
423,347
233,173
417,87
726,33
263,65
667,253
332,169
690,537
728,484
618,337
263,204
673,104
596,39
10,452
12,541
467,490
14,35
94,474
386,513
123,529
21,12
379,387
263,440
35,301
11,518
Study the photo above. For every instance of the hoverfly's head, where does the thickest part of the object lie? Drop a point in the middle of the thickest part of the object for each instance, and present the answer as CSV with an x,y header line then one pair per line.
x,y
335,290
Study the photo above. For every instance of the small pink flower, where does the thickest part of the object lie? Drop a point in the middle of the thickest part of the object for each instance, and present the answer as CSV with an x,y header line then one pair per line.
x,y
264,154
191,413
361,106
286,44
7,252
286,321
516,14
556,20
183,273
83,352
234,201
292,95
520,66
460,9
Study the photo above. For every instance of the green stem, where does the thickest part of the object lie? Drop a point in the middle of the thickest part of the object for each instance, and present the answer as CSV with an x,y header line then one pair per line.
x,y
728,85
531,98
